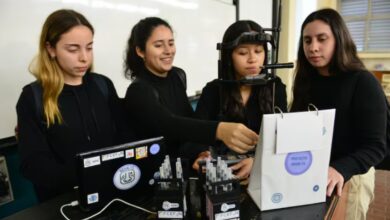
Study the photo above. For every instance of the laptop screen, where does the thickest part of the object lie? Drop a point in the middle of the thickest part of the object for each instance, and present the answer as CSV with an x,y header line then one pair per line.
x,y
124,171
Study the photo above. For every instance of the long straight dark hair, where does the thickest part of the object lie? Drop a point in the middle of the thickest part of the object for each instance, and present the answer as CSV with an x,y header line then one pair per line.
x,y
344,60
231,102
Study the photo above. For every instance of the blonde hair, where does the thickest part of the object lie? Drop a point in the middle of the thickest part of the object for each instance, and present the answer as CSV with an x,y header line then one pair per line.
x,y
45,68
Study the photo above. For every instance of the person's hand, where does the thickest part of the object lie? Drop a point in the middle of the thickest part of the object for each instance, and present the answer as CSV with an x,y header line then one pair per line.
x,y
237,136
335,180
243,168
202,156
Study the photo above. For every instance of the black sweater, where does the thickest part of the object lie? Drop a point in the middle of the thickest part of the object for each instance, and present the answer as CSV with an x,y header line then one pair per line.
x,y
360,123
90,121
158,106
209,108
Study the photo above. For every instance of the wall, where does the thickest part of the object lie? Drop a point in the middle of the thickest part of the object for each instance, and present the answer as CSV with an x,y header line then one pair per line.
x,y
259,11
377,63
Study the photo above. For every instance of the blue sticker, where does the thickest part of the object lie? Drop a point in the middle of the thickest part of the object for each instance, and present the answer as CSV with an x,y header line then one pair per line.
x,y
277,198
316,188
298,163
154,149
93,198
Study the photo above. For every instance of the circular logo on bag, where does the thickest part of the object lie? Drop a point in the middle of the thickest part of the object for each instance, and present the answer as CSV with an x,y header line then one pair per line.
x,y
127,176
298,163
316,188
277,197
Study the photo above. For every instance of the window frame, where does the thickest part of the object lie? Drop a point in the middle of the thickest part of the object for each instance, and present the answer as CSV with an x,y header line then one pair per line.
x,y
367,53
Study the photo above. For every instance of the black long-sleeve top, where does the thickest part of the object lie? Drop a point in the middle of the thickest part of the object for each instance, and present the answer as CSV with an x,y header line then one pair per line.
x,y
360,123
91,120
158,106
209,108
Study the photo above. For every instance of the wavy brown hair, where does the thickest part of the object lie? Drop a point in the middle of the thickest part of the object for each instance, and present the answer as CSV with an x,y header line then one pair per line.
x,y
140,34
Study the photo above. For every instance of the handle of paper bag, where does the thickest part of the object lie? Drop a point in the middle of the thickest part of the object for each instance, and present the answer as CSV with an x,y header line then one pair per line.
x,y
309,107
279,110
312,106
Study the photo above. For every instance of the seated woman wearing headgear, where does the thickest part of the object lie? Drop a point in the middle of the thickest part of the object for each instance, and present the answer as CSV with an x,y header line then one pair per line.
x,y
241,94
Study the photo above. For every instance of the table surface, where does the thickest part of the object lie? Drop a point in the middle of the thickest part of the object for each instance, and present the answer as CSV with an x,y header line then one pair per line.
x,y
248,210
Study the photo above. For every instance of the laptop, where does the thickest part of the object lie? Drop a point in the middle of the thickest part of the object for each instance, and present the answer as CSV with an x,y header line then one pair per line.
x,y
124,171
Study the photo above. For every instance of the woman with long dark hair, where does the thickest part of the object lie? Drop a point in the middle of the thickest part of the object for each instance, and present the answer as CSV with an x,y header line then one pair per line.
x,y
156,100
329,74
244,51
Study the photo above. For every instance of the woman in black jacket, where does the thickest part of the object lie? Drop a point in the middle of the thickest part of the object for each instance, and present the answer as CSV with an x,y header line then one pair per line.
x,y
156,100
68,109
243,53
329,74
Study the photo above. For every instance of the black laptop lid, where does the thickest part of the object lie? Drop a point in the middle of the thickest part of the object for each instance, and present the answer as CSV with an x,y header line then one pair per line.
x,y
125,171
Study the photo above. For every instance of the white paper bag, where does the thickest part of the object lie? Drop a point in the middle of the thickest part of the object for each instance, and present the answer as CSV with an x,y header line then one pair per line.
x,y
292,159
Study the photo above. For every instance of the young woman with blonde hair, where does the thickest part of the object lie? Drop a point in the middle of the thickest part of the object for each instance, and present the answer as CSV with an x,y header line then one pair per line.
x,y
68,109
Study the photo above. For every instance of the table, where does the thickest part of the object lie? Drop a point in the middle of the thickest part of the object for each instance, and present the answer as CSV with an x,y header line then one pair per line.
x,y
51,210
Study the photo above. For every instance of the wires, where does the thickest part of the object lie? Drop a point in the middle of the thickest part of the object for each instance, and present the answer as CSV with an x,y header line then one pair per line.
x,y
75,203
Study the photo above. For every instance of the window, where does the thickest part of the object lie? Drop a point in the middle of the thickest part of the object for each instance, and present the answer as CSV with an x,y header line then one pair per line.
x,y
369,23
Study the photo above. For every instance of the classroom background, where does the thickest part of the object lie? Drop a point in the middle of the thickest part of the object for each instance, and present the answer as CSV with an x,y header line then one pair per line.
x,y
198,26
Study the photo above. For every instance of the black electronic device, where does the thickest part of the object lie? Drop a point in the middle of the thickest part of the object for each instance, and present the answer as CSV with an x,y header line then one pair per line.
x,y
171,189
221,190
126,171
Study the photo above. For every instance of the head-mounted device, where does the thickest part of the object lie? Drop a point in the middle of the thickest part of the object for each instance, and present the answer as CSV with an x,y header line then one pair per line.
x,y
252,37
247,37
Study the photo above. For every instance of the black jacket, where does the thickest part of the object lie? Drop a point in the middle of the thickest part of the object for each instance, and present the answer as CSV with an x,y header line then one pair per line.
x,y
209,108
360,124
91,120
158,106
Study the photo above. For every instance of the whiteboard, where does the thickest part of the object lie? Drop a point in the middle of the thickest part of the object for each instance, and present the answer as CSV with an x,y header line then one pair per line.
x,y
197,24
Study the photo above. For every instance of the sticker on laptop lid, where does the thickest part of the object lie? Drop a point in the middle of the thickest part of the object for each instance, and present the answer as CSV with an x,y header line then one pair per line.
x,y
112,156
127,176
93,198
129,153
91,161
141,152
154,149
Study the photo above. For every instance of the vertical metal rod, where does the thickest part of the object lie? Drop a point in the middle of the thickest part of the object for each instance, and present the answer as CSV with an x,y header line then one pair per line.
x,y
276,23
237,4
